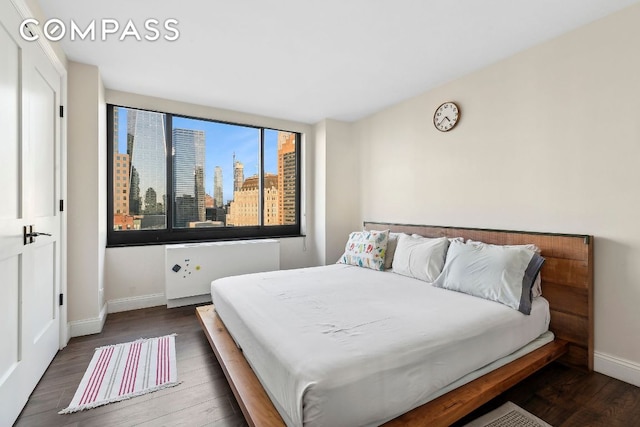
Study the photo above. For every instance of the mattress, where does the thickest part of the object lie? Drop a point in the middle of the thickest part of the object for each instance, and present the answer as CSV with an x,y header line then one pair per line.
x,y
348,346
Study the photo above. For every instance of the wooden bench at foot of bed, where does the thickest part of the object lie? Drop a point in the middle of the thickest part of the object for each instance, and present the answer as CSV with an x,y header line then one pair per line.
x,y
567,281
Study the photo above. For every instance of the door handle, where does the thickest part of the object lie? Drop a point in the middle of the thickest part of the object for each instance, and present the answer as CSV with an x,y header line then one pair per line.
x,y
29,236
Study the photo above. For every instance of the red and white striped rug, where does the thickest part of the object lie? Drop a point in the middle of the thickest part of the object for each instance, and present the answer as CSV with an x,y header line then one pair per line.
x,y
121,371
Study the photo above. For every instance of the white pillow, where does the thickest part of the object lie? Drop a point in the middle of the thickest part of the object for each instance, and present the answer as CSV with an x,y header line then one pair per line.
x,y
497,273
536,291
420,257
451,239
366,249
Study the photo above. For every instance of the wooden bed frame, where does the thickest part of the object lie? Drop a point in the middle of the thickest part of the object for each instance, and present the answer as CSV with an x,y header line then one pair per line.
x,y
567,282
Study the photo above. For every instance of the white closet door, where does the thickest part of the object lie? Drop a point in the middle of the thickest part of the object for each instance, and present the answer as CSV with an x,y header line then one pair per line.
x,y
29,192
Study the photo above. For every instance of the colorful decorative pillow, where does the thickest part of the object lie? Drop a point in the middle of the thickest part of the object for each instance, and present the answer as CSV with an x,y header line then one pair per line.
x,y
498,273
366,249
420,257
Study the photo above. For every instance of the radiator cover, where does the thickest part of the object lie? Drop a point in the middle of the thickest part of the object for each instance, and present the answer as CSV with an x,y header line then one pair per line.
x,y
190,268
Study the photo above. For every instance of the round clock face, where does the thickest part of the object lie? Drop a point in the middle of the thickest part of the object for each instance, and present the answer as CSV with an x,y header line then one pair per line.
x,y
446,116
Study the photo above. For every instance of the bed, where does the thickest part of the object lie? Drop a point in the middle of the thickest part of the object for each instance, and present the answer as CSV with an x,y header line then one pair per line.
x,y
567,286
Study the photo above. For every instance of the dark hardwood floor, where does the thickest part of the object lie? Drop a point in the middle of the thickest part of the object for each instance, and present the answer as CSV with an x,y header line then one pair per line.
x,y
562,396
567,397
203,397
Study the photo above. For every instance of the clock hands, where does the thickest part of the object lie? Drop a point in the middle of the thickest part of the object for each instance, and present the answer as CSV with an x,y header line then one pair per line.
x,y
445,118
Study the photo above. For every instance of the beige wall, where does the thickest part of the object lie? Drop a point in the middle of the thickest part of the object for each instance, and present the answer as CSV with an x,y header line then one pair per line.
x,y
342,183
319,183
102,189
337,180
548,140
86,199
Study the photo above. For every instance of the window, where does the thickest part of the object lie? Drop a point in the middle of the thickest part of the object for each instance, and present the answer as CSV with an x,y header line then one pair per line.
x,y
192,179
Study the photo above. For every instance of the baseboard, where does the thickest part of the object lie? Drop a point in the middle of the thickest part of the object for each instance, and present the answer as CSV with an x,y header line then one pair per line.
x,y
136,303
79,328
179,302
621,369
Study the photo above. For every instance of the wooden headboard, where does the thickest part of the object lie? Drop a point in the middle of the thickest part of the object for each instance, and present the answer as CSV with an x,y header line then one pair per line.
x,y
567,278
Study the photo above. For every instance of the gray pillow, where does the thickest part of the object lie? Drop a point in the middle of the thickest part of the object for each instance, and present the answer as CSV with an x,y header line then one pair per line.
x,y
392,243
504,274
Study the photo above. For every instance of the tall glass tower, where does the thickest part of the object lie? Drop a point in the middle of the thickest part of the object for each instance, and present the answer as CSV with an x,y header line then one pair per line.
x,y
217,187
146,147
188,176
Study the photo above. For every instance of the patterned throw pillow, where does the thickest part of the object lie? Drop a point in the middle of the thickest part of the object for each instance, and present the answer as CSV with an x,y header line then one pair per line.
x,y
366,249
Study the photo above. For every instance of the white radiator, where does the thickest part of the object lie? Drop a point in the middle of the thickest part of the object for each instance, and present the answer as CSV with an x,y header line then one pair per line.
x,y
190,268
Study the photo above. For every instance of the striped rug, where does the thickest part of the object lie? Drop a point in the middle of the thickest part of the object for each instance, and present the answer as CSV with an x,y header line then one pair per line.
x,y
508,415
122,371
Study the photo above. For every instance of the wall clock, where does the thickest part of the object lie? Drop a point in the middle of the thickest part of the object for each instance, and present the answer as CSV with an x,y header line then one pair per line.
x,y
446,116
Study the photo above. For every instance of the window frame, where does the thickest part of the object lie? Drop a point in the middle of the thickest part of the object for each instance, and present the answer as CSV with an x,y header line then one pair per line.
x,y
171,235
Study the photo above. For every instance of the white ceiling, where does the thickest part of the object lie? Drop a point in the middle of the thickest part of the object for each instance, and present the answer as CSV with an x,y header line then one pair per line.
x,y
307,60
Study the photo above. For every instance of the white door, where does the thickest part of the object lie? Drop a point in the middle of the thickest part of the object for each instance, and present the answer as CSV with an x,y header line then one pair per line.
x,y
29,192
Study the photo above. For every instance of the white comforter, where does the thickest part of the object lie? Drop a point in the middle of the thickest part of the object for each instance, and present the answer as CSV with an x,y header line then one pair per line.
x,y
347,346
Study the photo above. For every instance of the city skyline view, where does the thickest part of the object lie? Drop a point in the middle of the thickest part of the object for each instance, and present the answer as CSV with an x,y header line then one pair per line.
x,y
254,187
222,141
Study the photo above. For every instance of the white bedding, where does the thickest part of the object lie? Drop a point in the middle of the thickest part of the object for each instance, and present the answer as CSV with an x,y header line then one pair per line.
x,y
342,345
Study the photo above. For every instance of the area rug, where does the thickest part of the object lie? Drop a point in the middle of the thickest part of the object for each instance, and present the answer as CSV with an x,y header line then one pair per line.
x,y
121,371
508,415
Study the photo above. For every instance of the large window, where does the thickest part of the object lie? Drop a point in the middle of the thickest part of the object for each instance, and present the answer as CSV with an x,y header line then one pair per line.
x,y
178,179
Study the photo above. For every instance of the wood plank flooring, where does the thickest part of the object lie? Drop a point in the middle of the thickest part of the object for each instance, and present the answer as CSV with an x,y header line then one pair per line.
x,y
203,397
562,396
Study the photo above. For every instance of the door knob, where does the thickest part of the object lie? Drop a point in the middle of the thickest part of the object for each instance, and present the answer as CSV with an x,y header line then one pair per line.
x,y
29,236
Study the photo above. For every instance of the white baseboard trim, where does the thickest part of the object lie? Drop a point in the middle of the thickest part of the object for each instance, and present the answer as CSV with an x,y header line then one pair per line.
x,y
79,328
615,367
197,299
136,303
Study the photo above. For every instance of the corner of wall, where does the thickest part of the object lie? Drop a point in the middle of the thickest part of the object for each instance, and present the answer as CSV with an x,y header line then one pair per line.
x,y
614,367
319,194
337,180
91,326
85,148
102,188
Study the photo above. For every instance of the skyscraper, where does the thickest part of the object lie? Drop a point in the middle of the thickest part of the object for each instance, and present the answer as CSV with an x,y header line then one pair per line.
x,y
217,187
121,197
121,184
286,178
146,150
116,132
188,176
238,174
